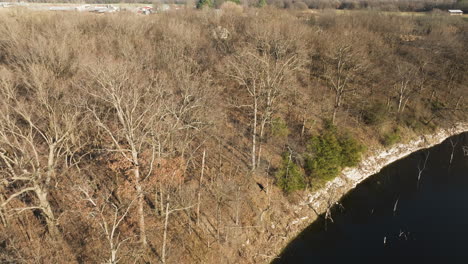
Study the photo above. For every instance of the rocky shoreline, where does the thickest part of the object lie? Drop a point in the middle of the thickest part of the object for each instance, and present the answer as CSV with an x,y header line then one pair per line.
x,y
318,202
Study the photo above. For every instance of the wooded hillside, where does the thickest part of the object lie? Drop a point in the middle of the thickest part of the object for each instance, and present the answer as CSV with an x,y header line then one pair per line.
x,y
185,137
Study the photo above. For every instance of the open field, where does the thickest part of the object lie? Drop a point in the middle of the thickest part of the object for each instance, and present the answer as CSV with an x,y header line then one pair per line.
x,y
399,13
132,7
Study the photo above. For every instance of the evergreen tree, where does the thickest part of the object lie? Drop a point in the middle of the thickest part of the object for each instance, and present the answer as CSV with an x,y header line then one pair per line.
x,y
289,177
204,3
331,152
325,161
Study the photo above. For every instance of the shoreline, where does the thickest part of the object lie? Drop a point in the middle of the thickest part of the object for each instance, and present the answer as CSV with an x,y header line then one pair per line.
x,y
318,202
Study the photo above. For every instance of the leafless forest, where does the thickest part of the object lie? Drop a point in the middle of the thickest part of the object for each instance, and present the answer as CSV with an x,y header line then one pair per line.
x,y
156,139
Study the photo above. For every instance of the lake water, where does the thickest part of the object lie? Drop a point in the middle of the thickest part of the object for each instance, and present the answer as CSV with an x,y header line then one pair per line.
x,y
393,217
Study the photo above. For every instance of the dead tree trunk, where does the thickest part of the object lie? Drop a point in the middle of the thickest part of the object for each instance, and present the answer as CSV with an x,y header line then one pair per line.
x,y
166,221
421,169
166,224
200,187
254,132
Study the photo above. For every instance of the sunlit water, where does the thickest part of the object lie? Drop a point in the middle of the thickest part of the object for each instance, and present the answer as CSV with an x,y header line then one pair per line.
x,y
394,217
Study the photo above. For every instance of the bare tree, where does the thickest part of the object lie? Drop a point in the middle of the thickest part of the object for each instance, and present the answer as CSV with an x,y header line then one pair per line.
x,y
404,85
421,168
31,126
130,119
108,215
262,74
166,223
144,115
453,145
341,67
110,229
248,77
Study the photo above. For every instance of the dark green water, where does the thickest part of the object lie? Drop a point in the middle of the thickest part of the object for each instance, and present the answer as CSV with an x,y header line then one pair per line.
x,y
391,217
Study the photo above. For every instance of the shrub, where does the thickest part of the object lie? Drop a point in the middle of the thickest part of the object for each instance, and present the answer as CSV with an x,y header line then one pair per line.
x,y
412,120
279,128
330,152
392,137
325,160
262,3
376,114
351,151
300,6
289,177
437,106
204,3
231,6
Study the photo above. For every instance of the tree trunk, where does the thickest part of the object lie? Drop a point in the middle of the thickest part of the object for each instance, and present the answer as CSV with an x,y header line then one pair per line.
x,y
2,214
166,221
432,95
400,101
47,211
161,199
200,187
140,199
254,134
237,205
113,259
337,106
334,114
303,127
50,163
458,102
262,130
404,104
